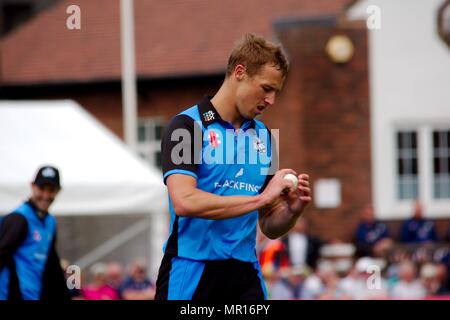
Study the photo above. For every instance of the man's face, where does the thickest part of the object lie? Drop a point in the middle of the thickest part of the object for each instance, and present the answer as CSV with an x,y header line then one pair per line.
x,y
418,214
43,196
368,214
254,94
138,273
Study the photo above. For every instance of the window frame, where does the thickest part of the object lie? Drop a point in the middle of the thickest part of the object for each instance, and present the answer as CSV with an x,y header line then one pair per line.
x,y
434,208
446,163
403,158
148,149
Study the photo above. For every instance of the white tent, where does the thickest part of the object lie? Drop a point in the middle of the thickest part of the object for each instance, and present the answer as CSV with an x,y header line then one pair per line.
x,y
99,175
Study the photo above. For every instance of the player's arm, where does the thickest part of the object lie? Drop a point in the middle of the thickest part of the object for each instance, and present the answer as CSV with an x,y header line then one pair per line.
x,y
13,230
189,201
54,281
181,177
280,216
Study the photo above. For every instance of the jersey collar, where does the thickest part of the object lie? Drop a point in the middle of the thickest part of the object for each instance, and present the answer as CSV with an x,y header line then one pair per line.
x,y
209,114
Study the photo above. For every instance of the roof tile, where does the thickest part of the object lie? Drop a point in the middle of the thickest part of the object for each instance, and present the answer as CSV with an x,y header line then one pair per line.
x,y
173,37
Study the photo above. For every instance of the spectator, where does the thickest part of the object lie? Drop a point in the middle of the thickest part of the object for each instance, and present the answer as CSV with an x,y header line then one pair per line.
x,y
372,236
302,249
114,275
359,284
289,285
444,279
350,284
408,287
418,229
273,256
330,290
320,283
98,289
430,278
137,286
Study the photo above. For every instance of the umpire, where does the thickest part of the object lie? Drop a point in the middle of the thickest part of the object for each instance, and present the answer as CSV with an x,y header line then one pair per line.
x,y
29,264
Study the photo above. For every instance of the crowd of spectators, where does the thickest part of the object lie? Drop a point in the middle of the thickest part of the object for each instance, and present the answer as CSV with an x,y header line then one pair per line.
x,y
376,265
110,281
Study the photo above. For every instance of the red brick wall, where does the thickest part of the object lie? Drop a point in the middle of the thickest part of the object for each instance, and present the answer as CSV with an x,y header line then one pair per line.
x,y
106,106
168,99
162,100
155,98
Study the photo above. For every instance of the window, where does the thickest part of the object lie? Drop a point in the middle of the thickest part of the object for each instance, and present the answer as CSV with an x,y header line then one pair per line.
x,y
150,132
441,164
414,163
444,22
407,165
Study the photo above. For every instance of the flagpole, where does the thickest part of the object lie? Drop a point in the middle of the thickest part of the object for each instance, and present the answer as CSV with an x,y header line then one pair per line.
x,y
129,96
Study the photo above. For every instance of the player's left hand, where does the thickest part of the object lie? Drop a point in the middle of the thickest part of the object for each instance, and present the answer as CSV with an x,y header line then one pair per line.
x,y
297,200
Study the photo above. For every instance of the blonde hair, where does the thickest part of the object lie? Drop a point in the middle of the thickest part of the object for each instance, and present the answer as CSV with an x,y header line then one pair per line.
x,y
253,52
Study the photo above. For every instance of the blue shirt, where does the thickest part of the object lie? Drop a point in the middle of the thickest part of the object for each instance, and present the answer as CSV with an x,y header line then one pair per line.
x,y
370,233
224,162
30,258
131,284
418,230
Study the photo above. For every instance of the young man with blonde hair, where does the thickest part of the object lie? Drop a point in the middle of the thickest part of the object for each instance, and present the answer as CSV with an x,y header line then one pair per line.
x,y
218,163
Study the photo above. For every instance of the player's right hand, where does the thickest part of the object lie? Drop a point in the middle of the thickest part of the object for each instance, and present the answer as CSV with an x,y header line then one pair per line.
x,y
276,186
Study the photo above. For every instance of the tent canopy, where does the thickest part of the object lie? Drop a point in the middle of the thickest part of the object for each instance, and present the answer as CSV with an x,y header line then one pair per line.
x,y
99,174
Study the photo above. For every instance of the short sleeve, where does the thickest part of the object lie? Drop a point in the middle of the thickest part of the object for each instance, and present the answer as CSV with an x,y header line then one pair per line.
x,y
178,147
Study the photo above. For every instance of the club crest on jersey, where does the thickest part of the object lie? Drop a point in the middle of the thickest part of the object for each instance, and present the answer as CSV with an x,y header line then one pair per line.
x,y
208,116
214,140
259,146
37,236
